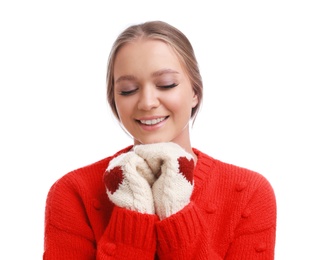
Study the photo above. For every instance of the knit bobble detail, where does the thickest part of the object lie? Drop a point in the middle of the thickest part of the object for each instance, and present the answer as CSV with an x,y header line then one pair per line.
x,y
110,249
241,186
211,208
96,204
246,213
261,247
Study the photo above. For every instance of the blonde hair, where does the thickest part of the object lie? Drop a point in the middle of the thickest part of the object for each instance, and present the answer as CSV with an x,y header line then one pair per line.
x,y
157,30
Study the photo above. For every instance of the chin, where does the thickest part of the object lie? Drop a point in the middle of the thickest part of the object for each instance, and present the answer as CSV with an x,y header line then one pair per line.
x,y
152,140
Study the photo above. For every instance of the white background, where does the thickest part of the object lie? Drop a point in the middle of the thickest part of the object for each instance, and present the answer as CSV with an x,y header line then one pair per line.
x,y
255,61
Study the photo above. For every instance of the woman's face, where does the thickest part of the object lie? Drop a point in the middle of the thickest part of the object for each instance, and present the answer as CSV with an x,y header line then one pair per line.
x,y
153,94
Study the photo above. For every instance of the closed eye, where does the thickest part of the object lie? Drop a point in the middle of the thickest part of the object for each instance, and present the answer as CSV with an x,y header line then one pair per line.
x,y
127,93
168,86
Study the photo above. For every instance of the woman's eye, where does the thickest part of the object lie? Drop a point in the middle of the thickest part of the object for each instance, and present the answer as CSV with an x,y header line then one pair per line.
x,y
168,86
127,92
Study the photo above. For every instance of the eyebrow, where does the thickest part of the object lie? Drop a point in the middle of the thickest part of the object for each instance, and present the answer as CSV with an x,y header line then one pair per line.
x,y
164,71
155,74
126,77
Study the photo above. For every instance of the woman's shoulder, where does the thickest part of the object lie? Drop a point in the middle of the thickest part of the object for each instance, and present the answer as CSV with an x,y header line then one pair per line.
x,y
231,174
84,178
242,195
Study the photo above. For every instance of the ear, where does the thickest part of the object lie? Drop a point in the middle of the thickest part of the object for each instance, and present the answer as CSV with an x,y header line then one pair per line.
x,y
195,100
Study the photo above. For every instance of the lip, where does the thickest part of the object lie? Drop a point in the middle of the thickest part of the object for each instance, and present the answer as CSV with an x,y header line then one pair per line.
x,y
152,123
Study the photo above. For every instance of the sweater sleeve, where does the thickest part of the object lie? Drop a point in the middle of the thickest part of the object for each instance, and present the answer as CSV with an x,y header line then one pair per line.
x,y
129,235
184,235
187,234
69,233
254,236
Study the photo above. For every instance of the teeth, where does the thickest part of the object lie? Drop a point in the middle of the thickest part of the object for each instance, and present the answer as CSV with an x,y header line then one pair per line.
x,y
153,121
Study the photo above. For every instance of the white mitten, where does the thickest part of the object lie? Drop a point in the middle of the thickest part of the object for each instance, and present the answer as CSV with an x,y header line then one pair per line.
x,y
173,167
128,180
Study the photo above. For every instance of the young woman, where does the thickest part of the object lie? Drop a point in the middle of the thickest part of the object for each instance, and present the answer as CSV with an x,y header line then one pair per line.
x,y
158,198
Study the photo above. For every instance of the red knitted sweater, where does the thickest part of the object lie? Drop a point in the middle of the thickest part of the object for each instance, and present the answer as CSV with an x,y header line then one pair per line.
x,y
232,215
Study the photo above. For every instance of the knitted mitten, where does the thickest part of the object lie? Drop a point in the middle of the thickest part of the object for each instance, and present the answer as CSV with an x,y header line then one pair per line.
x,y
173,167
128,179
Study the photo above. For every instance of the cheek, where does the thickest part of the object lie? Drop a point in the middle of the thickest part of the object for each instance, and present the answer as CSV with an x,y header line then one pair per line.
x,y
180,104
120,107
124,108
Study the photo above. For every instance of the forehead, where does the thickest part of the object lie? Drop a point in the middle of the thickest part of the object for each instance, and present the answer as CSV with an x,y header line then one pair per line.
x,y
144,55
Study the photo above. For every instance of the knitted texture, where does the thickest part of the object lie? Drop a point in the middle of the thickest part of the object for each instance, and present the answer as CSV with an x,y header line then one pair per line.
x,y
128,179
231,215
173,167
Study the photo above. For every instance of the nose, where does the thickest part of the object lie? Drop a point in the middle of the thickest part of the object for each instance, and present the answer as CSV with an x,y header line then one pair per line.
x,y
148,98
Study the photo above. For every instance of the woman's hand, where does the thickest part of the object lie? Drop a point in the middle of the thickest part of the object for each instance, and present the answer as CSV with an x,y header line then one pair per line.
x,y
128,180
173,167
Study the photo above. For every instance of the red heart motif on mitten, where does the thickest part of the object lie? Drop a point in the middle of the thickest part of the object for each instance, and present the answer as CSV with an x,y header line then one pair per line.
x,y
186,168
113,178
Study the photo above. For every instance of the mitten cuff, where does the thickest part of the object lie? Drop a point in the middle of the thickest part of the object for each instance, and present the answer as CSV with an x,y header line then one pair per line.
x,y
132,229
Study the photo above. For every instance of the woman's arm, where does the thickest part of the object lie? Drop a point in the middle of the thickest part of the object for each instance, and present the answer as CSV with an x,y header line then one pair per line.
x,y
70,227
255,233
67,233
251,230
129,235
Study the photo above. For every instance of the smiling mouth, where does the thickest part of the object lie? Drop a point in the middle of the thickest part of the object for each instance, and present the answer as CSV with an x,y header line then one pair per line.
x,y
152,121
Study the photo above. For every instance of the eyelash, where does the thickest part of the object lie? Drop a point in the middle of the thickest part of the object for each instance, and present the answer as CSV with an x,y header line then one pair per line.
x,y
128,93
168,86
